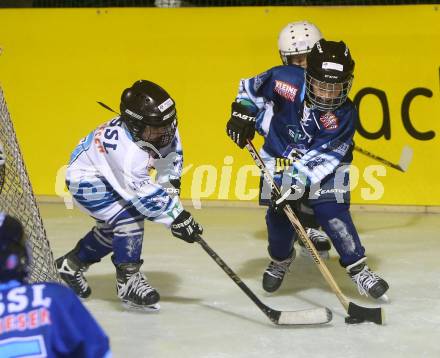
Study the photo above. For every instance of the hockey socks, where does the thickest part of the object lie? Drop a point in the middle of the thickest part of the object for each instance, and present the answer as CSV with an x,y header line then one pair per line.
x,y
336,221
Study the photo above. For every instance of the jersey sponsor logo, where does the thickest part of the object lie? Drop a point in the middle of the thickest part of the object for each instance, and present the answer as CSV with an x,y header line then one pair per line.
x,y
286,90
329,121
165,105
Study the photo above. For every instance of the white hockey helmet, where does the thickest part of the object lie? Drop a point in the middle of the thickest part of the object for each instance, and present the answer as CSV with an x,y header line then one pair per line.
x,y
297,38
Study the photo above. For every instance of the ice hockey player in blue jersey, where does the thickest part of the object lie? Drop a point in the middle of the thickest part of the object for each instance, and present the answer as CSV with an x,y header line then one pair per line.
x,y
110,176
323,137
276,123
40,319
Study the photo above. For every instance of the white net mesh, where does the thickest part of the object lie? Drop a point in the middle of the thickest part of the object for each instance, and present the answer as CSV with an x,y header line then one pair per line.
x,y
17,199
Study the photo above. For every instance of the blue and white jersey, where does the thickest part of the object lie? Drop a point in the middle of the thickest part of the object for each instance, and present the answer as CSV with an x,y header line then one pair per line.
x,y
331,142
289,126
109,167
277,95
47,320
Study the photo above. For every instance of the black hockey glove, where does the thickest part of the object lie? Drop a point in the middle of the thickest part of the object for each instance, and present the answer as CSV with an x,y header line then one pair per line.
x,y
184,227
241,125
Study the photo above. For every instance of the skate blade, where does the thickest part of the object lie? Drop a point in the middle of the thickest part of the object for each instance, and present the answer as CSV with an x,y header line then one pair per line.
x,y
323,254
134,307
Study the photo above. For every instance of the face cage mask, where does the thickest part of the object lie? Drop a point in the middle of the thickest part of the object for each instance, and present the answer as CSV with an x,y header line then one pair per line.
x,y
329,95
159,137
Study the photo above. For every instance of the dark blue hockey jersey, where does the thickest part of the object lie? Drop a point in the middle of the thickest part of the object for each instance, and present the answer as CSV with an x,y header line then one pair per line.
x,y
289,126
47,320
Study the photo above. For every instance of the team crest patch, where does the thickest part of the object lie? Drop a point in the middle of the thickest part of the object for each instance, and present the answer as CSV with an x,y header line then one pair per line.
x,y
329,121
286,90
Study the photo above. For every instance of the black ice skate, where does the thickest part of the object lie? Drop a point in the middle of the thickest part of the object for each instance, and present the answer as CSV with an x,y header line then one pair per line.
x,y
274,274
319,240
367,281
133,288
71,270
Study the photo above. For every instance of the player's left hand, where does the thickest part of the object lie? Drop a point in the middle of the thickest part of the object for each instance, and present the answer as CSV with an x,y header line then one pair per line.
x,y
185,227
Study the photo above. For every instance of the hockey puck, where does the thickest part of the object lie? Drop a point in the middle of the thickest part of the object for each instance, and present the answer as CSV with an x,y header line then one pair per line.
x,y
353,320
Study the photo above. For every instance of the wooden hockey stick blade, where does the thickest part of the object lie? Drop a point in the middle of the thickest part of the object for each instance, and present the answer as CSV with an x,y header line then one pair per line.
x,y
375,315
406,157
302,317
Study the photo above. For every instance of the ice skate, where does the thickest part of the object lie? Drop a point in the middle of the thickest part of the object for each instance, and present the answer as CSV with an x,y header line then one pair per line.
x,y
368,283
319,240
71,270
133,288
275,272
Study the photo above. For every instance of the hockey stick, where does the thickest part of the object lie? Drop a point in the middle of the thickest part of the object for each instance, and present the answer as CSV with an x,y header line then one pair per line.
x,y
405,158
301,317
355,312
107,107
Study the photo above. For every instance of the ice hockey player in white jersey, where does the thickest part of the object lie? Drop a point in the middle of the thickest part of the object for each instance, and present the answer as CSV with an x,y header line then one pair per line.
x,y
110,177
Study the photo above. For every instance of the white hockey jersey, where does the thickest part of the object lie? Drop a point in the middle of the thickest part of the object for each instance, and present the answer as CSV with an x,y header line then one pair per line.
x,y
109,171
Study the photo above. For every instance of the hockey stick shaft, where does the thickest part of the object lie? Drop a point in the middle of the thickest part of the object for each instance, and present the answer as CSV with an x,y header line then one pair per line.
x,y
107,107
379,159
361,312
233,275
313,316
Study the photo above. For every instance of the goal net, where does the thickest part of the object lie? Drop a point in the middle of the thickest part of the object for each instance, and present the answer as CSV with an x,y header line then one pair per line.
x,y
17,199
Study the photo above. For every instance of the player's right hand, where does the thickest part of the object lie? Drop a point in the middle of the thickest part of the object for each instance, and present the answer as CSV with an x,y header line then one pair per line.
x,y
241,125
185,227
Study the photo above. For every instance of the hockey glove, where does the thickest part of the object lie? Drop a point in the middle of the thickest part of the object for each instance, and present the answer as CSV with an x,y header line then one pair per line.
x,y
241,125
185,228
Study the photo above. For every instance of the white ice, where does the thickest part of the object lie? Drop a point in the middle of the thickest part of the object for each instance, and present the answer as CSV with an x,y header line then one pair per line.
x,y
204,314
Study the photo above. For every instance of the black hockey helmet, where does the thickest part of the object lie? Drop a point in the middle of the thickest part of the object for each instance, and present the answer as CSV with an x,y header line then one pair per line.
x,y
329,74
14,258
149,113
